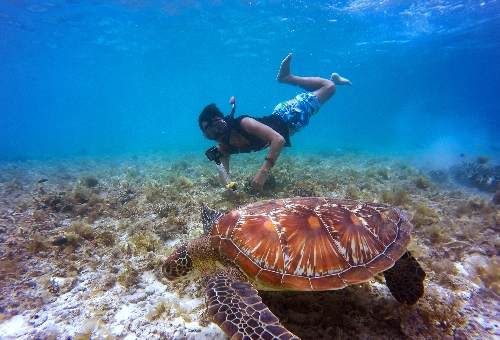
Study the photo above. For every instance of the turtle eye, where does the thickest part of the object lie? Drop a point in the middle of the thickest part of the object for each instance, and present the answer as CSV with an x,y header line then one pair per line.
x,y
177,265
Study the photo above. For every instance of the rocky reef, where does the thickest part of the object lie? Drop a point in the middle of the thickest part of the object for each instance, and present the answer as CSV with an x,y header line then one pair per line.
x,y
477,175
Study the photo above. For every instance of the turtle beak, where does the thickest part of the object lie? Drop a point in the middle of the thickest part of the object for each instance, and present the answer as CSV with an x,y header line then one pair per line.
x,y
177,265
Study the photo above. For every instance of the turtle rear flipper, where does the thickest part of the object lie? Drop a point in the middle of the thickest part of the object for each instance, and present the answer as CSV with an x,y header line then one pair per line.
x,y
405,279
239,311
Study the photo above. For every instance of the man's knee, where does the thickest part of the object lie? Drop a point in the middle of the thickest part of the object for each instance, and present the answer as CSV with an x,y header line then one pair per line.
x,y
330,88
325,92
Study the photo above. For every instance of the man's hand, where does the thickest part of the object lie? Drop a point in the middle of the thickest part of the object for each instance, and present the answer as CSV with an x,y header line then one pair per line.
x,y
259,180
231,191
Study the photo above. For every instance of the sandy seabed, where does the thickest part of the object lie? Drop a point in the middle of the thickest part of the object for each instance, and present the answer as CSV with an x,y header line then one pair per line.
x,y
82,241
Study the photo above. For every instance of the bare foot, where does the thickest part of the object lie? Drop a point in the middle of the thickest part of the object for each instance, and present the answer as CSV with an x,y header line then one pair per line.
x,y
338,80
284,72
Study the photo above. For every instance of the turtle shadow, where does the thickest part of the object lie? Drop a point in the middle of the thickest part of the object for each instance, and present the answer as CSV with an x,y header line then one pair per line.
x,y
355,312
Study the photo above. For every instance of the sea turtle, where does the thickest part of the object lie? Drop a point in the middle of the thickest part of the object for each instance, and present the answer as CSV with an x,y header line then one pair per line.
x,y
300,244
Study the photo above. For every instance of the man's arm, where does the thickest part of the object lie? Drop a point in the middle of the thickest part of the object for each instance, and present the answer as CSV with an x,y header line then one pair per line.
x,y
224,178
276,143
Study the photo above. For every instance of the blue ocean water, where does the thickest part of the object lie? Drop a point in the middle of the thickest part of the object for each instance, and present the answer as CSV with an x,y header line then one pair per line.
x,y
117,77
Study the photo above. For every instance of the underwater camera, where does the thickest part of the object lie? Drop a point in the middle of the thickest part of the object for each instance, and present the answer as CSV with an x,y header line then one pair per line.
x,y
213,154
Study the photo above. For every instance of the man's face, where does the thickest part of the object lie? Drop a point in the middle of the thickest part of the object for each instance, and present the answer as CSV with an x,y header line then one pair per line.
x,y
215,129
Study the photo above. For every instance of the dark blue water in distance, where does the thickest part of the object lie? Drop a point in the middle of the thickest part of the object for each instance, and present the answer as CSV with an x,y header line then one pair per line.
x,y
123,77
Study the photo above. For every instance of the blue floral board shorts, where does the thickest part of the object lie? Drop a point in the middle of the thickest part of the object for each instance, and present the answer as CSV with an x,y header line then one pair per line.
x,y
297,111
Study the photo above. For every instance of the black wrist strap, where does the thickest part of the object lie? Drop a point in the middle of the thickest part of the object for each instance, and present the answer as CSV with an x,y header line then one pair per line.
x,y
270,160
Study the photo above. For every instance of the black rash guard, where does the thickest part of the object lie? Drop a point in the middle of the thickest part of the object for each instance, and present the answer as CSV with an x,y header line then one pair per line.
x,y
253,143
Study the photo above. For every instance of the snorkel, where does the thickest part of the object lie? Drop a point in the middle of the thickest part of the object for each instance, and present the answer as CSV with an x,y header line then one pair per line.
x,y
232,101
213,154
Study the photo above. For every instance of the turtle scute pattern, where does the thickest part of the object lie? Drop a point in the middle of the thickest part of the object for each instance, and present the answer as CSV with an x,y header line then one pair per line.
x,y
238,310
313,243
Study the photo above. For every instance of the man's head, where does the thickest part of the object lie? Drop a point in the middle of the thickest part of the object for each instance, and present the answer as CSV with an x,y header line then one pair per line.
x,y
209,113
211,122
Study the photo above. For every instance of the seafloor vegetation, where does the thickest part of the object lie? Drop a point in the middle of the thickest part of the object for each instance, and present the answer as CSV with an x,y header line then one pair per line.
x,y
82,241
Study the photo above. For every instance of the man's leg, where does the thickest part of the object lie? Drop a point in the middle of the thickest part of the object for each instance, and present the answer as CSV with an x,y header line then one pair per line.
x,y
324,89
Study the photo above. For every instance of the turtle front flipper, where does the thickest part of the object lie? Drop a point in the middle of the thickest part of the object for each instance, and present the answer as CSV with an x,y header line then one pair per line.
x,y
236,307
405,279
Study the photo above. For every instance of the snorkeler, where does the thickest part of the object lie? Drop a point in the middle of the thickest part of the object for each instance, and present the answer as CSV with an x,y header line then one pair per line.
x,y
247,134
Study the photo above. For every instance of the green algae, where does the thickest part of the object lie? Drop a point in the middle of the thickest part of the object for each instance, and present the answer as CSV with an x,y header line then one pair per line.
x,y
396,197
425,216
143,242
129,276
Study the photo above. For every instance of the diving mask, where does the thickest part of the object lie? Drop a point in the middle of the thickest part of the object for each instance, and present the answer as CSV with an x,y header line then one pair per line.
x,y
215,129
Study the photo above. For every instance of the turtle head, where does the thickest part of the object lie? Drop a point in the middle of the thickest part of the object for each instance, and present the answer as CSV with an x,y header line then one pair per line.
x,y
178,264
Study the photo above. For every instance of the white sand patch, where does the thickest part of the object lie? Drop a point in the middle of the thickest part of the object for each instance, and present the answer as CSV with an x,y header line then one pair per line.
x,y
13,326
117,312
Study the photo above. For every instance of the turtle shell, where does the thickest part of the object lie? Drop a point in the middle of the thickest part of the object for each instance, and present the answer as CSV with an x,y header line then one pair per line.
x,y
312,243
